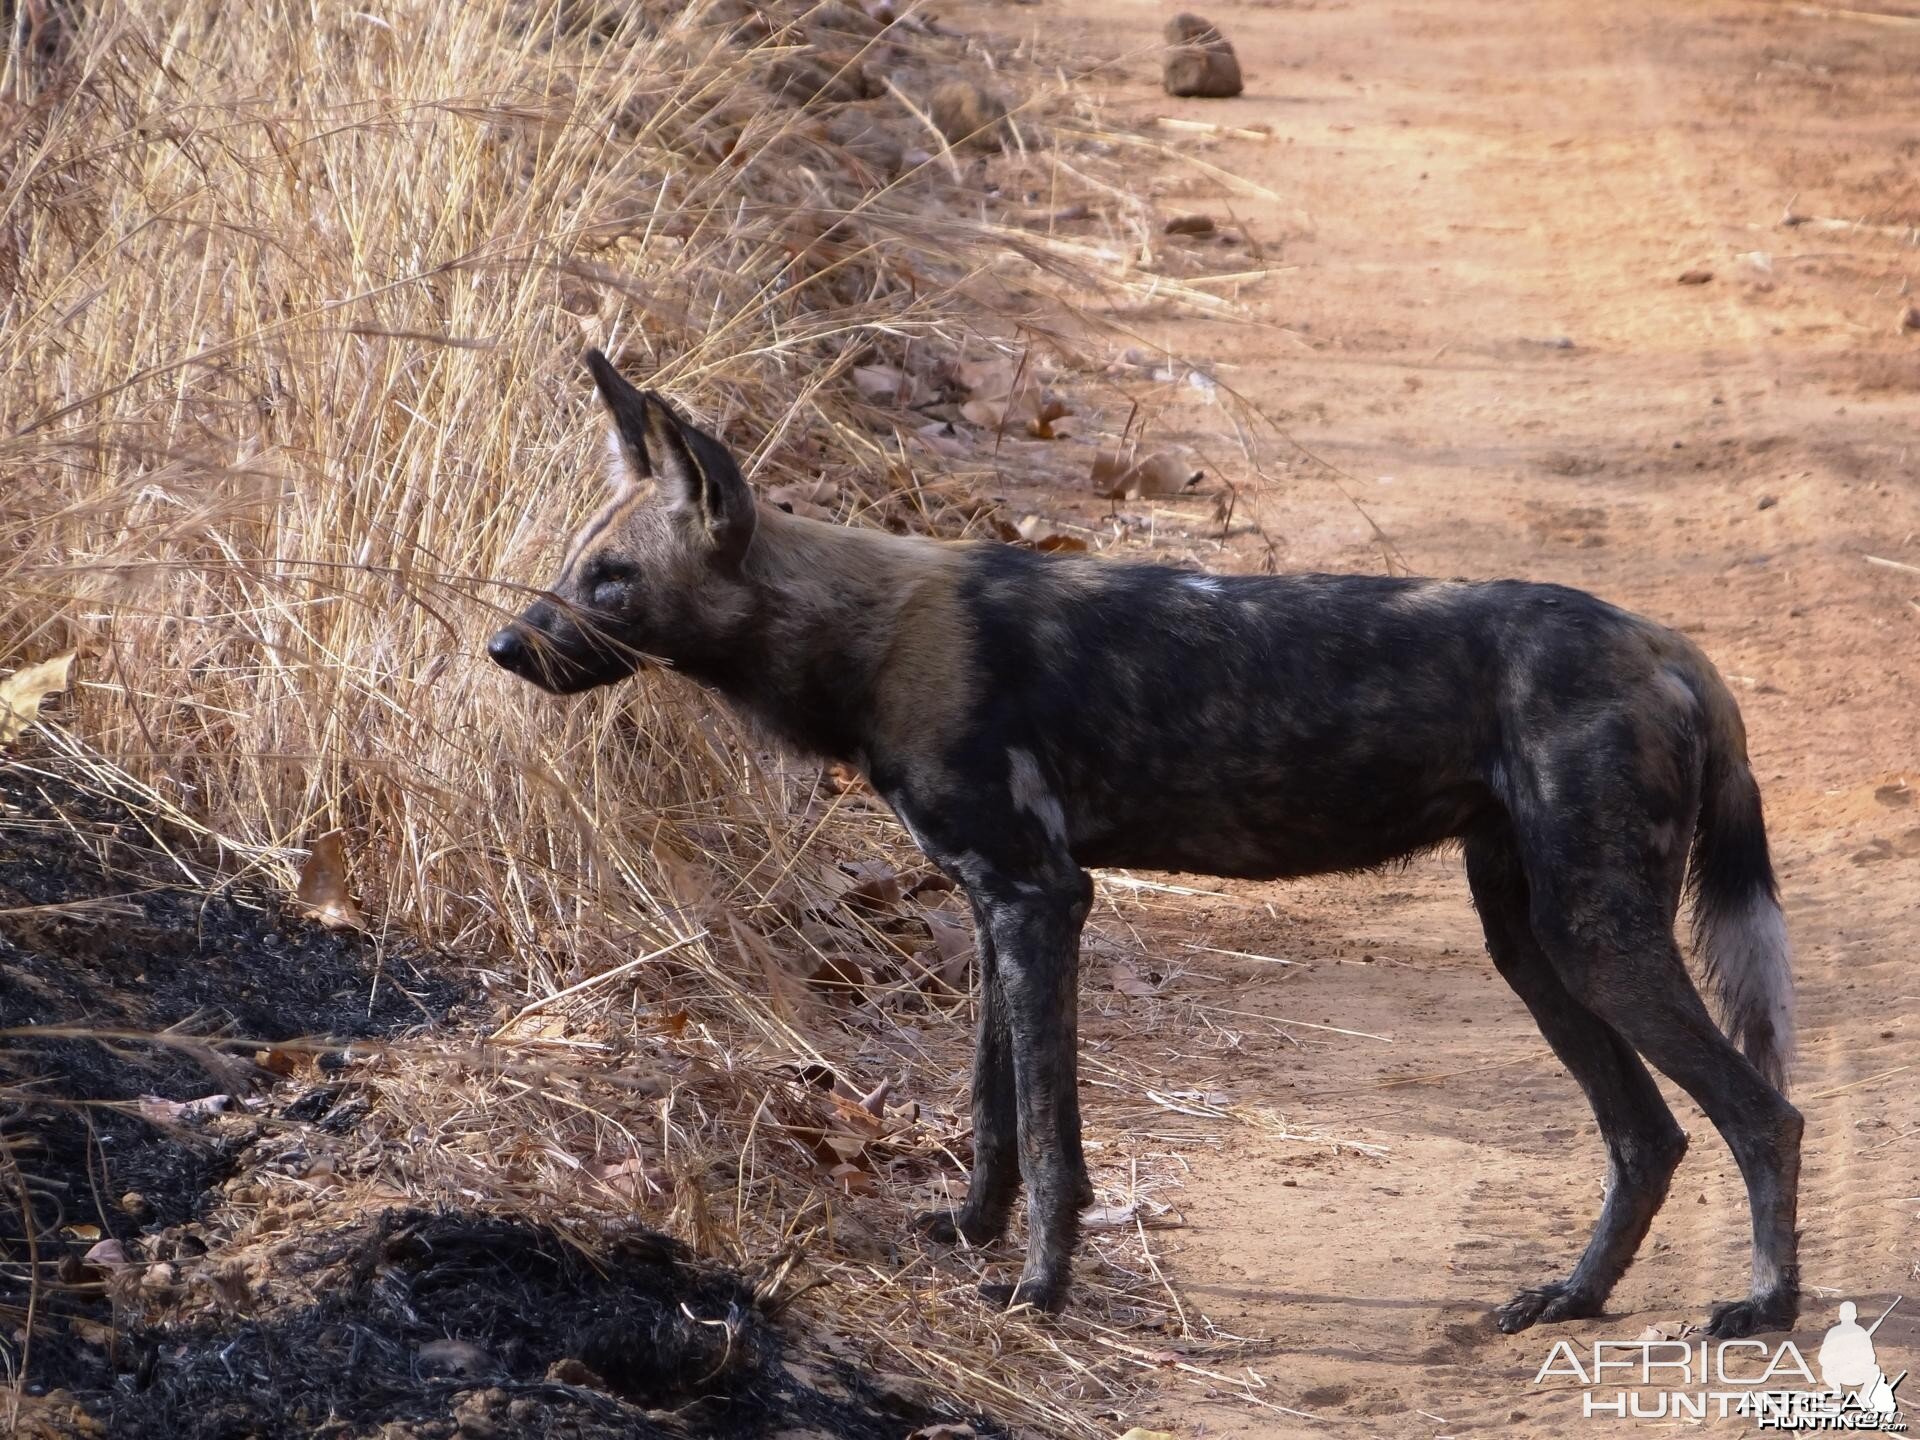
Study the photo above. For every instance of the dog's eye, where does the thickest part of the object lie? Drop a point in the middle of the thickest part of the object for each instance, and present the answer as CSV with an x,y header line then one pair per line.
x,y
611,593
608,585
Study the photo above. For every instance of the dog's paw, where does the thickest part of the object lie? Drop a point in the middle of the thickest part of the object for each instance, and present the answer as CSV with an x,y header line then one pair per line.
x,y
1735,1319
955,1227
940,1226
1543,1305
1049,1298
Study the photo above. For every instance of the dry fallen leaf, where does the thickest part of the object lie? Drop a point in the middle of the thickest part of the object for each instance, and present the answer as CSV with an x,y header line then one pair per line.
x,y
855,1114
1128,981
839,977
874,1102
107,1255
810,498
853,1179
954,941
1109,1217
53,1416
22,692
632,1177
1036,533
986,379
322,892
880,382
162,1111
876,884
1003,395
1040,427
939,438
1117,475
1000,412
1136,1433
90,1332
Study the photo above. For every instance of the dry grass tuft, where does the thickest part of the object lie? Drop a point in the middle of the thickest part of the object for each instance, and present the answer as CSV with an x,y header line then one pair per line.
x,y
294,302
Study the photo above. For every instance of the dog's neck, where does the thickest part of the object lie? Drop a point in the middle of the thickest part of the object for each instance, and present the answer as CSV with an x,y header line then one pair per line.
x,y
829,601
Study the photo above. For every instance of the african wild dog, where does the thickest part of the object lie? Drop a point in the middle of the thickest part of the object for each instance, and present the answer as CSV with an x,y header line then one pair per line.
x,y
1028,716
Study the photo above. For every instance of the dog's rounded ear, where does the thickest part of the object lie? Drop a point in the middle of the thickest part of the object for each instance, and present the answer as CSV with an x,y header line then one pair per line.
x,y
696,475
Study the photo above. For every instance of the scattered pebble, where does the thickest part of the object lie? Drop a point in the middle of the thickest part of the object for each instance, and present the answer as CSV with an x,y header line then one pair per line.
x,y
1767,502
569,1371
456,1359
1695,277
1189,225
478,1414
1199,61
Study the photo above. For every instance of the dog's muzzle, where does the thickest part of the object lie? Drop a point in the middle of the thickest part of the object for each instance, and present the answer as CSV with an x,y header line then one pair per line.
x,y
528,649
509,650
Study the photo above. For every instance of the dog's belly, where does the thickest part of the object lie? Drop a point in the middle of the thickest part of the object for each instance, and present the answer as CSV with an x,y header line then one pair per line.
x,y
1263,834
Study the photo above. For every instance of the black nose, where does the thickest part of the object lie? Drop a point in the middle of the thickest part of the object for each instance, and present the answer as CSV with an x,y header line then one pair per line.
x,y
508,650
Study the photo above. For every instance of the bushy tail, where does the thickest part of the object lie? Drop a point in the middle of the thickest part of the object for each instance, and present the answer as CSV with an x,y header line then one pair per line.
x,y
1737,925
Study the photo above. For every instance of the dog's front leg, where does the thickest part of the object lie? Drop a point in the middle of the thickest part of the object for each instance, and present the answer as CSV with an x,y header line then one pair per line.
x,y
1035,927
996,1146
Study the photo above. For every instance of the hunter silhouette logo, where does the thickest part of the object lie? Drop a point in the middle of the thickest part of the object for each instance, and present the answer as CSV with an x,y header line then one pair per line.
x,y
1848,1364
1772,1384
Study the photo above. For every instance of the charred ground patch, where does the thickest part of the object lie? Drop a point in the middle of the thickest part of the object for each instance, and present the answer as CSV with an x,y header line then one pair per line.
x,y
108,933
151,1316
436,1325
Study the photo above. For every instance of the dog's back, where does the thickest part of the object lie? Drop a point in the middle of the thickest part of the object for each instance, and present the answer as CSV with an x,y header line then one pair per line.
x,y
1265,726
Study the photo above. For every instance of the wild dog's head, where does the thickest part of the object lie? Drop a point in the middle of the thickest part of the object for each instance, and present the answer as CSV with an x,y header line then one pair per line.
x,y
658,572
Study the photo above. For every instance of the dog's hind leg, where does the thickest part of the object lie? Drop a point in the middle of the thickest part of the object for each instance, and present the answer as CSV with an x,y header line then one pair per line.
x,y
995,1183
1600,911
1644,1143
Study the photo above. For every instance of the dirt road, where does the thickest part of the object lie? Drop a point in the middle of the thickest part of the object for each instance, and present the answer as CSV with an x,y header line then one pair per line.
x,y
1481,214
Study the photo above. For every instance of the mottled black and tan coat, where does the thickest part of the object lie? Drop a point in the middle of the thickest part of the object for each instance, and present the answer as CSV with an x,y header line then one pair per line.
x,y
1031,716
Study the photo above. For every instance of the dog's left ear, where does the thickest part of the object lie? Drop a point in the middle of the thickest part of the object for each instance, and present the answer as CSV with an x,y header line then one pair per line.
x,y
696,475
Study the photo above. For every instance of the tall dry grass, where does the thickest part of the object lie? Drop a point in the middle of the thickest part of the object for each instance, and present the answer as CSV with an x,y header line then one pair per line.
x,y
294,296
294,413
